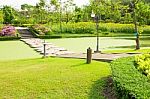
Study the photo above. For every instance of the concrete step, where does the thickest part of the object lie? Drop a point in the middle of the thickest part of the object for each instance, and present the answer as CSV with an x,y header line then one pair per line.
x,y
25,33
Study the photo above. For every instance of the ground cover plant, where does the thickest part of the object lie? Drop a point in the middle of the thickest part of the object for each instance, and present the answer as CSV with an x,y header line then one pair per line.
x,y
53,78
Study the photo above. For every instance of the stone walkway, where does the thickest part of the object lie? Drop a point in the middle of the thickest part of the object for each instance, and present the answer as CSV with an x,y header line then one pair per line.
x,y
51,49
97,56
55,51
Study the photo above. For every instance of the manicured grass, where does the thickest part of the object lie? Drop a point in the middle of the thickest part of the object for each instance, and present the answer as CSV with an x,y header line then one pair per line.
x,y
12,50
52,78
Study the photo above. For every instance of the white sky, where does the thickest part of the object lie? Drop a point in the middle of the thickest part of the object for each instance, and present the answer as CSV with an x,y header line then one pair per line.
x,y
17,3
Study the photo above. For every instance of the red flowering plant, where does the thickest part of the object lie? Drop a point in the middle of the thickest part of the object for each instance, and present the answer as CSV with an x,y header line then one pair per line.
x,y
8,30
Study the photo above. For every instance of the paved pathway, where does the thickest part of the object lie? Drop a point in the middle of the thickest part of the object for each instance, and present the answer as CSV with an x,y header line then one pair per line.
x,y
98,56
52,50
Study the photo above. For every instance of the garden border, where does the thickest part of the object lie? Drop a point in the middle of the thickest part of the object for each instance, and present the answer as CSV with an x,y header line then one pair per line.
x,y
128,81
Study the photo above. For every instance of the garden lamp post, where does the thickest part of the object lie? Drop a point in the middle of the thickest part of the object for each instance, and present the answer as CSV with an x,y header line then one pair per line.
x,y
44,49
96,18
133,5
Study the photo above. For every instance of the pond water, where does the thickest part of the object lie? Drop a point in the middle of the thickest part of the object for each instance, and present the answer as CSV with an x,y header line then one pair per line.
x,y
105,43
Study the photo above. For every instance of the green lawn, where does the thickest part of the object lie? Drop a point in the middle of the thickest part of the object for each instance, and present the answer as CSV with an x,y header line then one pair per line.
x,y
52,78
12,50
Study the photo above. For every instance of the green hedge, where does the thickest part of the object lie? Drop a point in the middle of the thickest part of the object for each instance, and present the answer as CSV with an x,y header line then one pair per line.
x,y
90,27
75,28
128,81
9,38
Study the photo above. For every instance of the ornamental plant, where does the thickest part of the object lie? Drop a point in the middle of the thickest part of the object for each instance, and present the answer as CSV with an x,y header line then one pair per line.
x,y
143,64
41,29
8,31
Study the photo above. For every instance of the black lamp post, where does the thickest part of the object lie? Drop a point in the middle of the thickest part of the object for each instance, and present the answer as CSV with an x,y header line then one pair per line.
x,y
96,18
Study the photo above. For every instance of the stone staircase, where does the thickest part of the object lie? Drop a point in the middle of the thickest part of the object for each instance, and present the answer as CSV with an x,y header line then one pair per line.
x,y
25,33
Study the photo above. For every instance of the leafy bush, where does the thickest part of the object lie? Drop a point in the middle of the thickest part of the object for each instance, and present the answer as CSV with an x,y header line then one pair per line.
x,y
75,28
89,28
35,34
143,63
129,82
117,28
41,29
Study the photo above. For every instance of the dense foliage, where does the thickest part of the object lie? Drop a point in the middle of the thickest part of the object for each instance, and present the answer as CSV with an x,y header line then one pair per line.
x,y
129,82
89,28
41,30
143,63
75,28
118,11
8,14
1,16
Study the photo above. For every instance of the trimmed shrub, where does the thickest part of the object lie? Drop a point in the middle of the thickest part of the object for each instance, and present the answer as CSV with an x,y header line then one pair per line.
x,y
128,81
9,38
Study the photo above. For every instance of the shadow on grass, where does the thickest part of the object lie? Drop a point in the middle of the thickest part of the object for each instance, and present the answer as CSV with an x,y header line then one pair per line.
x,y
80,64
102,89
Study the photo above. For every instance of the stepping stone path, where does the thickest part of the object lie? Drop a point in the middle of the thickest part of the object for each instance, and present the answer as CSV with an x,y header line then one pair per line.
x,y
51,49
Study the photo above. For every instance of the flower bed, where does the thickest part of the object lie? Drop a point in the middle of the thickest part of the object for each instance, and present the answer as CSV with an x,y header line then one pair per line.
x,y
41,29
9,32
128,81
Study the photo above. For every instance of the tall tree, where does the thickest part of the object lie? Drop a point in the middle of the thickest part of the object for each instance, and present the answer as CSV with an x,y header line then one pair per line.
x,y
8,14
67,8
133,6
